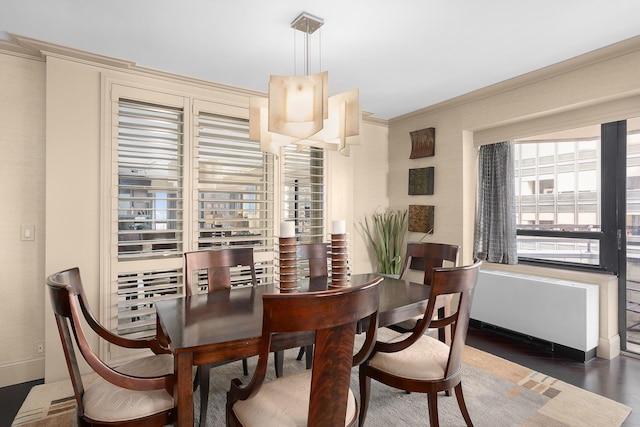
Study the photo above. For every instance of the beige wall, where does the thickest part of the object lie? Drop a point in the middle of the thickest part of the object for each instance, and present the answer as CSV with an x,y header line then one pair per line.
x,y
22,143
592,89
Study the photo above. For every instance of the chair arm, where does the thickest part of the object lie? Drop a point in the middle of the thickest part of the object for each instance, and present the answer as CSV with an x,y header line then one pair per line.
x,y
370,340
240,392
151,343
119,379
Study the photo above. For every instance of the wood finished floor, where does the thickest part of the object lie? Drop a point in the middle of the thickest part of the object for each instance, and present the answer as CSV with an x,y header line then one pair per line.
x,y
617,379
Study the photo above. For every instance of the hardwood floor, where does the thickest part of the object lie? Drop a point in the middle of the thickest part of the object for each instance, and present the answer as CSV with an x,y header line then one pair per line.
x,y
617,379
11,399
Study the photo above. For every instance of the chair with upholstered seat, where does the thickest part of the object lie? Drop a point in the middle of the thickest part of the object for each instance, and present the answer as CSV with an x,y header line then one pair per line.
x,y
216,265
320,396
317,255
422,258
416,362
138,393
425,256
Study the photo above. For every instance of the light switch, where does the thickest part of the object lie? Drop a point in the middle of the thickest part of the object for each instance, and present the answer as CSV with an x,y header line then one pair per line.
x,y
28,232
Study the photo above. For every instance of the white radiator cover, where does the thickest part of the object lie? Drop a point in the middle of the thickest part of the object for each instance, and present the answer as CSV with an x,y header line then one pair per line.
x,y
553,310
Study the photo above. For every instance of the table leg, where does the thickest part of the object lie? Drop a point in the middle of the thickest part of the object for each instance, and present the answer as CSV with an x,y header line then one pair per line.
x,y
184,388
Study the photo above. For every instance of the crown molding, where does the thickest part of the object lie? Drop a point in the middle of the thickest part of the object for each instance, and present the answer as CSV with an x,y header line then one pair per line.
x,y
39,50
625,47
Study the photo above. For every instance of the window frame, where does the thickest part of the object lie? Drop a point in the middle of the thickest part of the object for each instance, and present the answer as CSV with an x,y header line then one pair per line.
x,y
613,154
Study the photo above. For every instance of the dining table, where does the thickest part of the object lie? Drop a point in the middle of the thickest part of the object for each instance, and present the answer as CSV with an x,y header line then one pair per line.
x,y
226,325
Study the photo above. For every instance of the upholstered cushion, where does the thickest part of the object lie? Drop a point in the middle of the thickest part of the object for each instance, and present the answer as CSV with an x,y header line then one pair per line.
x,y
426,359
282,402
104,401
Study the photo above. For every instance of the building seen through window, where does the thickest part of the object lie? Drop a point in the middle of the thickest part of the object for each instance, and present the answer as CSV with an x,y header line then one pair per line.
x,y
558,191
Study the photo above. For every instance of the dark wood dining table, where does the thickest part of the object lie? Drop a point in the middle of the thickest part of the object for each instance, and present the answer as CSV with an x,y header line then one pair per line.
x,y
227,325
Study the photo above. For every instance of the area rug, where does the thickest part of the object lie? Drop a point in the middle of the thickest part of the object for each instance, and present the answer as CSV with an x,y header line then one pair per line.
x,y
497,392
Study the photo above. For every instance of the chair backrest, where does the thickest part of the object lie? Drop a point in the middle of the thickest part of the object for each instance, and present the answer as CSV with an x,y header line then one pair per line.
x,y
68,301
333,315
455,282
218,264
72,279
425,256
317,255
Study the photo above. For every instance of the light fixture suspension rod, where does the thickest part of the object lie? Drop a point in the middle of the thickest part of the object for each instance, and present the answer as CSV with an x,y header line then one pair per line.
x,y
308,24
306,49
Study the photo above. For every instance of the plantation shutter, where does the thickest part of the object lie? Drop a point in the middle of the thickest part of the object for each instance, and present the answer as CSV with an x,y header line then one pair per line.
x,y
149,164
234,182
303,195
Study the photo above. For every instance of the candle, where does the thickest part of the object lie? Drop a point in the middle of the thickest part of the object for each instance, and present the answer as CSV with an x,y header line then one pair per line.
x,y
339,227
287,229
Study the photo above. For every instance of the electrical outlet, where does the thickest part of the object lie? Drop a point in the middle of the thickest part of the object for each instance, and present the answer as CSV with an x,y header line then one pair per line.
x,y
38,348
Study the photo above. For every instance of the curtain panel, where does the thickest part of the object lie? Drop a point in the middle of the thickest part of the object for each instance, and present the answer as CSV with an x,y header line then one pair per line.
x,y
495,234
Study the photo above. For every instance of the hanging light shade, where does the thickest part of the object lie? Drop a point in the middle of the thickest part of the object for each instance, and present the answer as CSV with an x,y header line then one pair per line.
x,y
299,110
342,128
258,127
298,105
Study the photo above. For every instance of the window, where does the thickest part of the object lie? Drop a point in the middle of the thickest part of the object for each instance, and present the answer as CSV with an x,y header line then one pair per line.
x,y
557,196
150,204
559,207
235,189
149,180
303,198
183,181
183,175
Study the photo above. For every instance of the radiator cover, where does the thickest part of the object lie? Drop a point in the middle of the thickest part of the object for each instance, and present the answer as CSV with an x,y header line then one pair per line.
x,y
558,311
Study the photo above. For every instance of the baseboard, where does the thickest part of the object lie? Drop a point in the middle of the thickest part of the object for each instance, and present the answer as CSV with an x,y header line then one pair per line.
x,y
609,348
21,372
571,353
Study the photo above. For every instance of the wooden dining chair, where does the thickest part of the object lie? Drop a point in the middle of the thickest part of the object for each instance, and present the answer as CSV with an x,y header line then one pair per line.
x,y
425,256
421,258
212,269
416,362
317,255
320,396
139,393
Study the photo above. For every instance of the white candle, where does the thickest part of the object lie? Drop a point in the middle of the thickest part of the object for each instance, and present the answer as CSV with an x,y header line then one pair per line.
x,y
339,227
287,229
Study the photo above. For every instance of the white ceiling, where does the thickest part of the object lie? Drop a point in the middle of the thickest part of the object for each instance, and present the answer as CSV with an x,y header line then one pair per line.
x,y
402,55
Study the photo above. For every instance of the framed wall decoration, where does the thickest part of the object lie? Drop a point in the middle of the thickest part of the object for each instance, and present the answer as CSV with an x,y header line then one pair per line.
x,y
421,181
421,218
423,143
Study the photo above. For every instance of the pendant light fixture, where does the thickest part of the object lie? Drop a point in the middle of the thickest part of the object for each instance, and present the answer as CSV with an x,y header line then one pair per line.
x,y
299,110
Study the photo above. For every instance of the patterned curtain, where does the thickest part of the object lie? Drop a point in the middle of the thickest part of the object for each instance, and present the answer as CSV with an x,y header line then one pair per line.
x,y
495,237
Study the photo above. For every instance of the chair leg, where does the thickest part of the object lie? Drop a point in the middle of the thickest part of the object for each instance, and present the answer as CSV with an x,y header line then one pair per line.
x,y
278,359
365,388
463,405
300,353
432,400
245,367
309,352
203,373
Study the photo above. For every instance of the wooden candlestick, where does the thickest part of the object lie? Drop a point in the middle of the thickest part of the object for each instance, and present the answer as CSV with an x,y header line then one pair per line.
x,y
339,261
288,263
